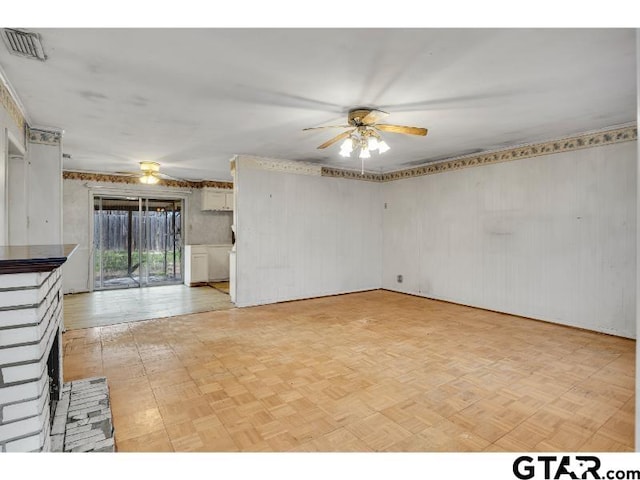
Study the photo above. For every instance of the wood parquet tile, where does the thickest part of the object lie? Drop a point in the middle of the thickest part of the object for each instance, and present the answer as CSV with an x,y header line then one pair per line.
x,y
372,371
157,441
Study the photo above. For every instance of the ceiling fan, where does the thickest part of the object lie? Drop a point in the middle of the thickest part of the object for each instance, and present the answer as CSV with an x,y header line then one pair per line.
x,y
364,133
149,173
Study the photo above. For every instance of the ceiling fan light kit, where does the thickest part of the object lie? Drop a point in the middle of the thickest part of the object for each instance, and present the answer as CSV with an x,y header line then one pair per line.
x,y
149,179
149,171
364,134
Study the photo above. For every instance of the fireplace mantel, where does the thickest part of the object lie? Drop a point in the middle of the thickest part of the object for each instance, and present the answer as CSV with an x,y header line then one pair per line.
x,y
33,258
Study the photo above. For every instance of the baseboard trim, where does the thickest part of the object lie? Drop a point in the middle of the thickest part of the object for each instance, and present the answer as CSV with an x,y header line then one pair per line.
x,y
575,327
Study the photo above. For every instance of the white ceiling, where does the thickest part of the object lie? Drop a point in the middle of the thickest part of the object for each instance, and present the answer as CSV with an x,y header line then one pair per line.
x,y
192,98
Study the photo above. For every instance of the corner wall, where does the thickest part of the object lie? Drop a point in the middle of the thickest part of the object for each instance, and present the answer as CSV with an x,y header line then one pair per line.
x,y
551,237
12,122
301,235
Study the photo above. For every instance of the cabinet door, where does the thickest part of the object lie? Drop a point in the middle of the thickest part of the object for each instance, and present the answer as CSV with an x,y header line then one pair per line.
x,y
199,267
213,200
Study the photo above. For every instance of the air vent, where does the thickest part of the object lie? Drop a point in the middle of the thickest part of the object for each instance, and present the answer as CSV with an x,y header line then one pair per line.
x,y
23,43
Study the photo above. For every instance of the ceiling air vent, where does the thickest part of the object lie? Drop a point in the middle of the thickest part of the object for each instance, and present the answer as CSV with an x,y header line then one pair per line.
x,y
23,43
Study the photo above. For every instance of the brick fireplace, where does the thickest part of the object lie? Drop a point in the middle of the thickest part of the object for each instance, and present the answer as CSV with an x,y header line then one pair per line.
x,y
30,344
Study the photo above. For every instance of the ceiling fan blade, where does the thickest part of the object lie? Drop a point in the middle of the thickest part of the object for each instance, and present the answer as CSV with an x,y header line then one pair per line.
x,y
167,176
402,129
327,126
335,139
373,117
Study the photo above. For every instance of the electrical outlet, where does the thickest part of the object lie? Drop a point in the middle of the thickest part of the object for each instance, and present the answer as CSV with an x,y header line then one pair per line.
x,y
399,278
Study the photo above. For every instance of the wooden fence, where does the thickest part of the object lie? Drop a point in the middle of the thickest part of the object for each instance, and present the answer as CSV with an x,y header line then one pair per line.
x,y
160,230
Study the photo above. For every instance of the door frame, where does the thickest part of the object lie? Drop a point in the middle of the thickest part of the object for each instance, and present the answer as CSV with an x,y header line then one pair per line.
x,y
130,190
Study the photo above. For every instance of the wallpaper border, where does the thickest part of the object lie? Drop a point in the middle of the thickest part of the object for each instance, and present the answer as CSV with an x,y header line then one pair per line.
x,y
103,177
11,107
578,142
44,137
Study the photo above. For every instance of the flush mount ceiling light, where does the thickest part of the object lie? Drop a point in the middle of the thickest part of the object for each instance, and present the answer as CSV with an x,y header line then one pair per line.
x,y
365,138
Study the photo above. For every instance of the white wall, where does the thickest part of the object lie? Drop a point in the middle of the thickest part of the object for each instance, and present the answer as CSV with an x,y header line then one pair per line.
x,y
75,230
44,192
637,430
301,236
17,172
4,187
551,237
200,227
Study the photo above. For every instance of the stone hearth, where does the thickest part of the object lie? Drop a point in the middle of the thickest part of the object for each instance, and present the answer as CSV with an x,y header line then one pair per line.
x,y
82,421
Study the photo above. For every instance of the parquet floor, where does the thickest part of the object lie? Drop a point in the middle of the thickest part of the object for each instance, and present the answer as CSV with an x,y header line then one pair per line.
x,y
222,286
372,371
110,307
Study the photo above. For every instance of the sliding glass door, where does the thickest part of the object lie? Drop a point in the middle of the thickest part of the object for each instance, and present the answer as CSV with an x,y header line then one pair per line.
x,y
137,242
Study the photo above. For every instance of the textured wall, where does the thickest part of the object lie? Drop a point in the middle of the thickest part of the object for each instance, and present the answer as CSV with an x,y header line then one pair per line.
x,y
200,227
301,236
208,227
552,237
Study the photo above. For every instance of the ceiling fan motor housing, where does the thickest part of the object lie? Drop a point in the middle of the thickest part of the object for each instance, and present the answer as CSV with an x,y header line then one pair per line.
x,y
150,167
356,115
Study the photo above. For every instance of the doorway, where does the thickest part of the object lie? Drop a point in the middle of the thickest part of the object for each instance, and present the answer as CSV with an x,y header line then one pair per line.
x,y
137,242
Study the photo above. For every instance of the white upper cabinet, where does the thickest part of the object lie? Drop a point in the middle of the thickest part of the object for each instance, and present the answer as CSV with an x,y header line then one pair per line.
x,y
214,199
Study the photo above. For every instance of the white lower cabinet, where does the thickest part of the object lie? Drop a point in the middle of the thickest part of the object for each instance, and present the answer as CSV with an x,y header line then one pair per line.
x,y
206,263
196,267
